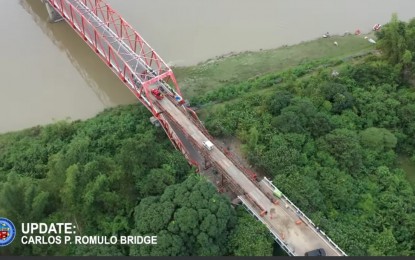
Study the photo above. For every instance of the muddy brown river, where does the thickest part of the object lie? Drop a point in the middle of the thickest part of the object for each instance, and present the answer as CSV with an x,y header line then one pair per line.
x,y
48,73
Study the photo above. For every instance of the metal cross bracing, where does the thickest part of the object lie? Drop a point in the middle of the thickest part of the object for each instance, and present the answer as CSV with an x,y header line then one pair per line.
x,y
119,45
129,56
140,68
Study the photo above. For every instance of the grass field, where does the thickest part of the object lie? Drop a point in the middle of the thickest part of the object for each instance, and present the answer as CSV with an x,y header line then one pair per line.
x,y
196,80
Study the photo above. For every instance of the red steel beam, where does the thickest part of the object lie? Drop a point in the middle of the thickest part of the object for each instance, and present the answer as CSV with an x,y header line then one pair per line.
x,y
78,14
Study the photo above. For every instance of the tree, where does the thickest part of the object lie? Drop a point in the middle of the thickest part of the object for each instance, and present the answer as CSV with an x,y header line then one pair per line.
x,y
289,122
301,116
384,244
253,138
338,188
250,237
338,95
319,125
378,139
410,35
70,192
280,157
344,146
392,40
156,181
189,218
407,58
22,201
280,100
374,73
302,190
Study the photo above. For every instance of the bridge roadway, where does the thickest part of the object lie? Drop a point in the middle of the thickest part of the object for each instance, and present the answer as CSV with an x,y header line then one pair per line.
x,y
298,238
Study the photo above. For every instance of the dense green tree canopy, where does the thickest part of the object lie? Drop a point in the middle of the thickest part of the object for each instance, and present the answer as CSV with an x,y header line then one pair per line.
x,y
189,218
331,143
250,238
91,173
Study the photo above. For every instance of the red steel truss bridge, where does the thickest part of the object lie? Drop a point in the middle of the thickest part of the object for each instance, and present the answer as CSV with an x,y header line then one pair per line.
x,y
141,69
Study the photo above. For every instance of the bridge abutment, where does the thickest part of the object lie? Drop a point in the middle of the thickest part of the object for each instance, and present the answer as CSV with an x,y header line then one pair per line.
x,y
54,16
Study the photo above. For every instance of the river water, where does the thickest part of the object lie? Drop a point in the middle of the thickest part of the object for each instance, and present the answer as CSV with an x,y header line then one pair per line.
x,y
48,73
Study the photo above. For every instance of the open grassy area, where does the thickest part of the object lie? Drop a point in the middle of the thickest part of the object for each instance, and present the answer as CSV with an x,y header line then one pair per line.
x,y
196,80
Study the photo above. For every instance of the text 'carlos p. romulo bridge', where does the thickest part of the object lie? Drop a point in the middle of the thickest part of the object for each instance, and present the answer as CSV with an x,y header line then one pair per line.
x,y
152,81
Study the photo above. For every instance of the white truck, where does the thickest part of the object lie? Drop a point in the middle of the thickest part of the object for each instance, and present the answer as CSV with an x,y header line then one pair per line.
x,y
208,145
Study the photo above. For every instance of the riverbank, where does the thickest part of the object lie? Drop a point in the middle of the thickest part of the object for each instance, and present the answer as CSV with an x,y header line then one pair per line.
x,y
237,67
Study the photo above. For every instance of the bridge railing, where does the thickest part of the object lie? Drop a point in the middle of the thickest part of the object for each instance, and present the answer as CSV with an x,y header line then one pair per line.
x,y
308,222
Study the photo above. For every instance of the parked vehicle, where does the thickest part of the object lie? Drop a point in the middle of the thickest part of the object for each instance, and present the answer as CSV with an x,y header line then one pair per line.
x,y
316,252
208,145
277,193
376,27
157,94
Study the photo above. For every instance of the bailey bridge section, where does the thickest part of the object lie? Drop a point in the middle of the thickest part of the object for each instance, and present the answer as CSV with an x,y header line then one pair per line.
x,y
141,69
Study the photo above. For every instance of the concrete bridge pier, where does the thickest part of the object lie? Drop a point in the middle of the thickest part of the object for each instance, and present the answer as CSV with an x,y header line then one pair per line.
x,y
53,15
